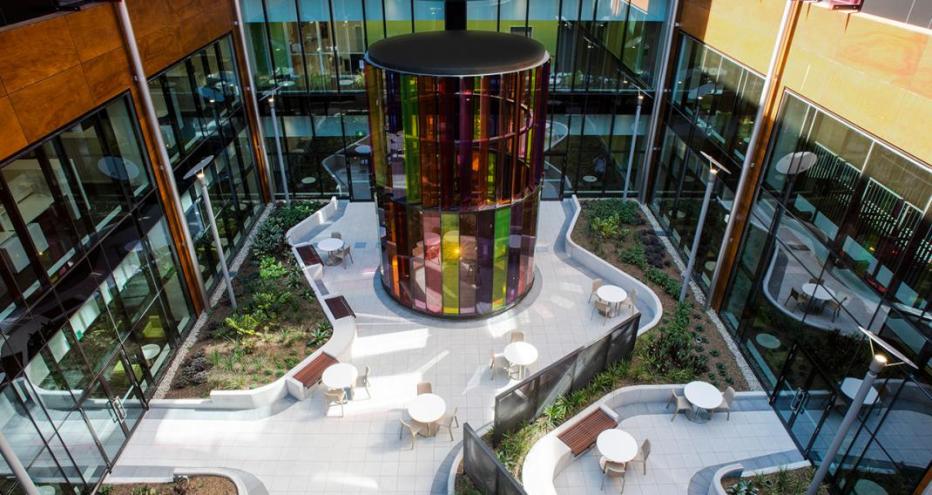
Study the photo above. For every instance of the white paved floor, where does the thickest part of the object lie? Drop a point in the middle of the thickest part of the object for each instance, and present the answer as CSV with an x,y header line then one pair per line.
x,y
300,450
679,450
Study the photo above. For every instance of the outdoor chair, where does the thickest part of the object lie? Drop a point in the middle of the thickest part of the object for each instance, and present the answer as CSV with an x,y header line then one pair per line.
x,y
798,298
336,235
348,253
424,388
363,381
413,428
335,397
447,421
498,363
727,399
612,470
603,308
631,301
643,454
835,306
336,258
517,336
596,283
682,405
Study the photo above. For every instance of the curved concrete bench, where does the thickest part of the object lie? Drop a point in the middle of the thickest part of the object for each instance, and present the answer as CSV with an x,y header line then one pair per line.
x,y
647,301
549,455
300,232
729,471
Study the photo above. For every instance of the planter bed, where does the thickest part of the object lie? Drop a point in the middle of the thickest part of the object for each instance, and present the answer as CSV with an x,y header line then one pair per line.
x,y
196,485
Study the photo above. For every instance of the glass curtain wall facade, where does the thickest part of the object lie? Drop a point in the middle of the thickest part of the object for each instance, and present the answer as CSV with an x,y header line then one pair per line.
x,y
93,304
604,53
457,163
199,105
713,104
839,239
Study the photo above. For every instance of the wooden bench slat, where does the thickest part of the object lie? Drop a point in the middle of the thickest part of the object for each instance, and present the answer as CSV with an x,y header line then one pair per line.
x,y
339,307
309,255
310,374
584,433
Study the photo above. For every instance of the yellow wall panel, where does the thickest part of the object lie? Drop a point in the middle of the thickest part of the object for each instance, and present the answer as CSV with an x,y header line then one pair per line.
x,y
744,30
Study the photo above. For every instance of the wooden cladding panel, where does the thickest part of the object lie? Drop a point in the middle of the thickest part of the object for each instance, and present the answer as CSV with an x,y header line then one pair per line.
x,y
35,51
52,102
95,31
11,134
742,29
107,74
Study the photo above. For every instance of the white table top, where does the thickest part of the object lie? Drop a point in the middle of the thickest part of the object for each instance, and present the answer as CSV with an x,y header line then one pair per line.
x,y
308,180
340,375
364,149
330,245
818,291
768,341
617,445
868,487
850,386
151,350
427,408
590,178
611,294
521,353
702,394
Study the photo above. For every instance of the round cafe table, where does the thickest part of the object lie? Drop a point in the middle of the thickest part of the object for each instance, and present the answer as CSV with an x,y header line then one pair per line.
x,y
521,354
340,376
611,294
427,409
703,396
617,445
150,351
590,179
768,341
850,386
330,245
363,149
818,292
308,180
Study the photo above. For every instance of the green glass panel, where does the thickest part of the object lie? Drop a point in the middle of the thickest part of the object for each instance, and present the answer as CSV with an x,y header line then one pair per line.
x,y
500,260
450,259
490,180
409,123
376,124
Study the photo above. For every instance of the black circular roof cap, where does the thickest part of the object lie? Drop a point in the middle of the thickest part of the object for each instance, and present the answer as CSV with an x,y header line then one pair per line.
x,y
457,53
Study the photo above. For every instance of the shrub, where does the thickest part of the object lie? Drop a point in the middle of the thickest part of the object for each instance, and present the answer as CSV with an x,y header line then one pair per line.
x,y
666,282
634,256
744,487
320,335
270,239
243,324
271,269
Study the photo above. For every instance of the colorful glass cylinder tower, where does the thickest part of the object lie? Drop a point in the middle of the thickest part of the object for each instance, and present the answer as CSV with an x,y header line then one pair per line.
x,y
457,121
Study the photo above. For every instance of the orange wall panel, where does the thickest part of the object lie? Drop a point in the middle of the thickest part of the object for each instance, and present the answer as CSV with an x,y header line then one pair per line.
x,y
13,137
35,51
107,74
52,103
95,30
872,72
744,30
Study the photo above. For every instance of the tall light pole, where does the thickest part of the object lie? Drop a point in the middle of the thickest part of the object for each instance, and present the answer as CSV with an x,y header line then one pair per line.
x,y
634,140
198,171
878,363
278,142
714,168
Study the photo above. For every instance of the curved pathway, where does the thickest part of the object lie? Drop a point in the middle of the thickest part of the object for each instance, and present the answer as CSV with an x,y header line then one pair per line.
x,y
295,447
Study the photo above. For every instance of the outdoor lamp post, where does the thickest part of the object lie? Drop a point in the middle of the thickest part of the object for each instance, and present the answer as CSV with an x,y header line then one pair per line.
x,y
878,363
278,142
714,168
634,140
198,171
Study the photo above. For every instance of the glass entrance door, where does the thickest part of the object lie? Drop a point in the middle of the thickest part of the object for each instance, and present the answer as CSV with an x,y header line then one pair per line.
x,y
114,404
802,398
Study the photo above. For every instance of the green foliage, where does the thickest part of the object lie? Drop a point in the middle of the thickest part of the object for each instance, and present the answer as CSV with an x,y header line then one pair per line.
x,y
320,335
243,324
271,269
671,349
744,487
634,256
669,284
270,239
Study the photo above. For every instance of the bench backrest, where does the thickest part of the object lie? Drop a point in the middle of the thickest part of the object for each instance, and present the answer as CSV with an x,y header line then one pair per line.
x,y
309,255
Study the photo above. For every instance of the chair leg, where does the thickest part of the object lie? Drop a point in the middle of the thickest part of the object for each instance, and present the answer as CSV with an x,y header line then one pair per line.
x,y
450,430
622,485
728,415
602,486
456,421
674,415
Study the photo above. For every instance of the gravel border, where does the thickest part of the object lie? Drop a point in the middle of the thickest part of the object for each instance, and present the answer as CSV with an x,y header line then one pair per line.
x,y
749,376
164,384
